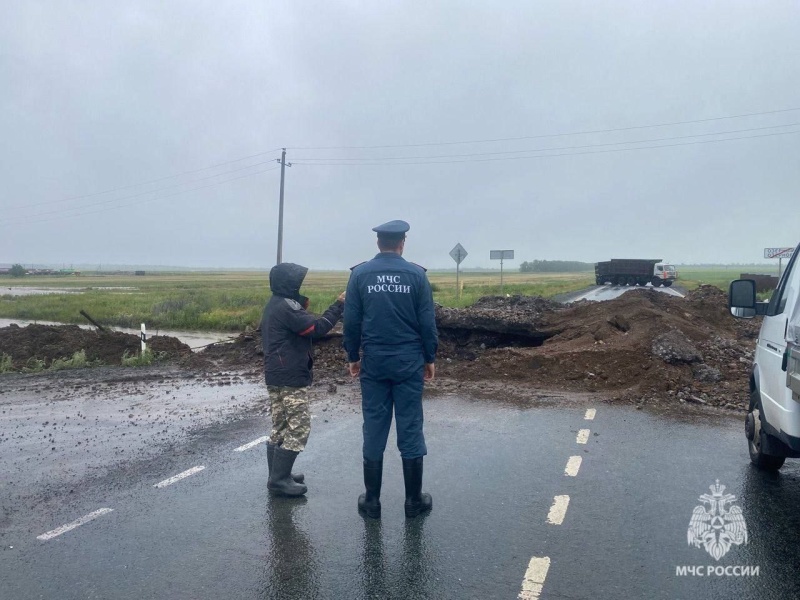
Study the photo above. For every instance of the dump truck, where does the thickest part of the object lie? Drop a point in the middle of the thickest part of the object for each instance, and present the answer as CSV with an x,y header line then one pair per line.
x,y
635,271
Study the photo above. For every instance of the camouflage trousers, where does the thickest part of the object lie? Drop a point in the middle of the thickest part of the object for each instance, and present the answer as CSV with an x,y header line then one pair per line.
x,y
291,419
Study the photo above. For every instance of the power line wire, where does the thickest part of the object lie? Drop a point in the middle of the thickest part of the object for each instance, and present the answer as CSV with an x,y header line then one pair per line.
x,y
133,185
547,135
140,194
23,220
644,141
445,162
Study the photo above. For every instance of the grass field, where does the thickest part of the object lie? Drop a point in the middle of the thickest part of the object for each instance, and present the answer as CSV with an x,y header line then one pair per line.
x,y
232,301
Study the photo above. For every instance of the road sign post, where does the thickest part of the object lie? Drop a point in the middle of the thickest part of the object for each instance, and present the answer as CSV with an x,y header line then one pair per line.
x,y
780,254
501,255
458,253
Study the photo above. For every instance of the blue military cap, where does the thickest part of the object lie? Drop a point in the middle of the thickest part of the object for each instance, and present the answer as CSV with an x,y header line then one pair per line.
x,y
392,228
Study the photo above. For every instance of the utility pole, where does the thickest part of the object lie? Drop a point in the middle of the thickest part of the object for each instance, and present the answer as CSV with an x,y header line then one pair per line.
x,y
284,164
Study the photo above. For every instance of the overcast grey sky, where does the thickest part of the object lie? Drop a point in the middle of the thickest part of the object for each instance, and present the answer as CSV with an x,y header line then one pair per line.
x,y
98,96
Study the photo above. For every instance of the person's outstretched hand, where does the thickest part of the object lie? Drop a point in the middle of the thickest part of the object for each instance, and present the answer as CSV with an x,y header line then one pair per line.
x,y
354,368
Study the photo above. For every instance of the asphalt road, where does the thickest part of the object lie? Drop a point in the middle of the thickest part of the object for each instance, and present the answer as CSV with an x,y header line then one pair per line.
x,y
598,293
507,519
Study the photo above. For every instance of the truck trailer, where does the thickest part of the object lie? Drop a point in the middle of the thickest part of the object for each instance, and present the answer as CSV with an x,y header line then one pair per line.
x,y
635,271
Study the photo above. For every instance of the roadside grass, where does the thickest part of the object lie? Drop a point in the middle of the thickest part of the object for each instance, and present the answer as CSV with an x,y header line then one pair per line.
x,y
476,285
142,359
691,277
34,365
78,361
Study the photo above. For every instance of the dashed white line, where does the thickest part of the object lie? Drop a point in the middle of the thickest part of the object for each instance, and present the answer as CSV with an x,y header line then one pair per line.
x,y
558,511
583,436
178,477
77,523
249,445
590,413
534,578
573,464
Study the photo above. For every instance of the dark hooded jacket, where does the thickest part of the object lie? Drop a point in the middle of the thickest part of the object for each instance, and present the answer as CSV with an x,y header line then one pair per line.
x,y
287,328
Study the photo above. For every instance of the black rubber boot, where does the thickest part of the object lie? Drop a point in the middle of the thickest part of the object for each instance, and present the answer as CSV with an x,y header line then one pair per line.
x,y
417,502
298,477
370,502
281,479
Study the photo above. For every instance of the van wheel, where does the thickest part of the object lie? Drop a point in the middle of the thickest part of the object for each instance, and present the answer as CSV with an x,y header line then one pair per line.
x,y
755,437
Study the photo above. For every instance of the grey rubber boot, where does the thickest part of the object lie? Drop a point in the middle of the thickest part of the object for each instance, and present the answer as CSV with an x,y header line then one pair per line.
x,y
281,480
370,502
417,502
298,477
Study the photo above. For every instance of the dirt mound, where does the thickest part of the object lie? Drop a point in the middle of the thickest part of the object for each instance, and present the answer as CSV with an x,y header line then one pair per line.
x,y
642,346
48,343
245,352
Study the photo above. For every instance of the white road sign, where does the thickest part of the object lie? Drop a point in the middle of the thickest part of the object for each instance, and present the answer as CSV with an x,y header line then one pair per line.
x,y
501,254
778,252
458,253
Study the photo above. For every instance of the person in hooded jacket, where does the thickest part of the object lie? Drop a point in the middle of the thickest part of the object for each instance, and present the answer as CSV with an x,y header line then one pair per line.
x,y
287,330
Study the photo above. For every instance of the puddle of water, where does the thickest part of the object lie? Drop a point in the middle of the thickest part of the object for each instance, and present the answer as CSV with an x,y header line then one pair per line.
x,y
29,291
194,339
32,291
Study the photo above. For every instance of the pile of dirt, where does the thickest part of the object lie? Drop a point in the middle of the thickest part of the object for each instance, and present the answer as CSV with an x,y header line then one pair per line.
x,y
245,353
643,346
49,342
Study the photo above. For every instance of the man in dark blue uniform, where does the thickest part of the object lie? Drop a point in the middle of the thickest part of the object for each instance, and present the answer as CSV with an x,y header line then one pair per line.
x,y
389,318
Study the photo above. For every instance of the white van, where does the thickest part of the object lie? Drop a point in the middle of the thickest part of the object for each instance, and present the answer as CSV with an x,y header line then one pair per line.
x,y
772,424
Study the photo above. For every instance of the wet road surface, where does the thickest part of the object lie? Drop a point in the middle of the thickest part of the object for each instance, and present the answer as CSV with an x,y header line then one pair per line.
x,y
514,513
599,293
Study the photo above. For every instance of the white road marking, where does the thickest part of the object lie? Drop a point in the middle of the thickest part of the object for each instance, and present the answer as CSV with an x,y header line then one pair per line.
x,y
558,511
534,578
583,436
249,445
77,523
590,413
573,464
178,477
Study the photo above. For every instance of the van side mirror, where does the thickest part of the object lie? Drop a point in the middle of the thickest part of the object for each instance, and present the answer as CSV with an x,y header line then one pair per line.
x,y
742,294
742,300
